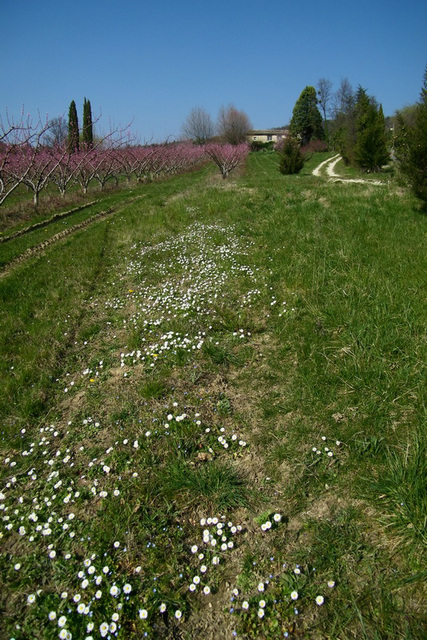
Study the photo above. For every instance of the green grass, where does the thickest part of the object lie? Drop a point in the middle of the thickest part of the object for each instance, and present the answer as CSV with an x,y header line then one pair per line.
x,y
401,490
237,366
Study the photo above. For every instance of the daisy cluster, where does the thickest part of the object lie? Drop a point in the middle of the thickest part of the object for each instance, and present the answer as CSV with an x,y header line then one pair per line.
x,y
173,418
96,601
100,601
52,487
284,309
217,539
199,269
250,297
95,370
48,483
165,317
194,272
326,451
169,343
271,522
197,273
282,595
38,500
232,440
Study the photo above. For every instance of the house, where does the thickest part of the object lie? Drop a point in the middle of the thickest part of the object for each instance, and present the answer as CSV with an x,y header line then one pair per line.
x,y
267,135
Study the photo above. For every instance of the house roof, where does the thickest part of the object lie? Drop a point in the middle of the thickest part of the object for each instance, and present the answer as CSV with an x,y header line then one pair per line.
x,y
264,132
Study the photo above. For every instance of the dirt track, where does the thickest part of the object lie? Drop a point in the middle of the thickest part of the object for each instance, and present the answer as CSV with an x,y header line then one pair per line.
x,y
330,164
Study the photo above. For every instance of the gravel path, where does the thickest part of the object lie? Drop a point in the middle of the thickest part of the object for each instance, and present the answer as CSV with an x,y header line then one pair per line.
x,y
330,165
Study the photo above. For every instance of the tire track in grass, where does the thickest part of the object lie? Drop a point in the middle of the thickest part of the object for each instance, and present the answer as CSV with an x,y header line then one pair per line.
x,y
45,223
330,164
61,349
42,246
317,171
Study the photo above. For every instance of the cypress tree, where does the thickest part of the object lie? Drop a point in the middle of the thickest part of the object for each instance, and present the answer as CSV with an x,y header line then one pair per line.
x,y
306,120
87,124
73,129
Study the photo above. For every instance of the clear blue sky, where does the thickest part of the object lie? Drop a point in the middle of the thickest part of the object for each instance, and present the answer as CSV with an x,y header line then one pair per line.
x,y
153,61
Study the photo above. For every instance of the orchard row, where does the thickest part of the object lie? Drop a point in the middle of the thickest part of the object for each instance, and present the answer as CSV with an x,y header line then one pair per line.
x,y
25,160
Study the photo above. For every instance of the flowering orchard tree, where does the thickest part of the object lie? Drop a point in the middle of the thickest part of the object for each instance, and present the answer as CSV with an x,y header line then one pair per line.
x,y
154,161
108,167
129,161
188,156
85,167
145,162
20,143
63,174
25,159
175,158
34,168
227,156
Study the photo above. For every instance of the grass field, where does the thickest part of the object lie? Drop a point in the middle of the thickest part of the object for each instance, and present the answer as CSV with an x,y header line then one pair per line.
x,y
213,413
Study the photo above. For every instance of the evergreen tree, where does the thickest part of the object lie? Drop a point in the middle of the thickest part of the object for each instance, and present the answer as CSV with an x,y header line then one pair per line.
x,y
291,159
73,129
87,124
412,147
370,150
306,122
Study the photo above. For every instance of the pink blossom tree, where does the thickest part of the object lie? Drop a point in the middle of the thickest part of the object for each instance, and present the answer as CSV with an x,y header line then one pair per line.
x,y
108,166
227,156
84,167
20,145
63,174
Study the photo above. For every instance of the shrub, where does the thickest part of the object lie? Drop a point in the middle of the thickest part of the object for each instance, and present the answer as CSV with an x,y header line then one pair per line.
x,y
291,158
411,147
314,146
258,145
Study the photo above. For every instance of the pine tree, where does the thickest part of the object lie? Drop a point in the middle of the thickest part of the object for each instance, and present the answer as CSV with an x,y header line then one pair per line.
x,y
306,122
370,150
412,150
73,129
87,124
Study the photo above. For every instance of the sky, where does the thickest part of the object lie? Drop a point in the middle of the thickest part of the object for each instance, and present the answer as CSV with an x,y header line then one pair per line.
x,y
148,63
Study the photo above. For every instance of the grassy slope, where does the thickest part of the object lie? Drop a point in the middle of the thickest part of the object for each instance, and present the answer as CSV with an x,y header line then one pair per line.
x,y
315,339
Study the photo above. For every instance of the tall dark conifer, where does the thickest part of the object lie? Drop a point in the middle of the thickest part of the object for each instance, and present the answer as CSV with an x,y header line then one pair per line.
x,y
411,146
306,122
73,129
87,124
370,151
